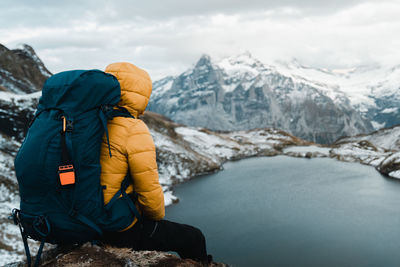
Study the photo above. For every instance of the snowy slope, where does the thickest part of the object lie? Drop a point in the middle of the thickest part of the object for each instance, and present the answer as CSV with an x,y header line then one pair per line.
x,y
372,90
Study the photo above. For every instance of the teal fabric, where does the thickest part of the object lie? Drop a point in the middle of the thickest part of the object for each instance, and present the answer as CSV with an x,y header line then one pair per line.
x,y
80,96
78,91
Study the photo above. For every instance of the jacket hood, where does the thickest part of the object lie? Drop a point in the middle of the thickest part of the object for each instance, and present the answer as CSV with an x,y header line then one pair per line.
x,y
135,85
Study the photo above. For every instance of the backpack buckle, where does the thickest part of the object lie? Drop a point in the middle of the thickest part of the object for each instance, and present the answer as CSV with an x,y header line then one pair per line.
x,y
68,126
106,108
15,216
66,174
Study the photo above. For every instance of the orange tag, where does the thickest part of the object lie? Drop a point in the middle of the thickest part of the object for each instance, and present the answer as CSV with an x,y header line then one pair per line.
x,y
67,174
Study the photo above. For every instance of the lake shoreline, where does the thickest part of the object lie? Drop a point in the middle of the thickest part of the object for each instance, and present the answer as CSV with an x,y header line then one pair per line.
x,y
300,151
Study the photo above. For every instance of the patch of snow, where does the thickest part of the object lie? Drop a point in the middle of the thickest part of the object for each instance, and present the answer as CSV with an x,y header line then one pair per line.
x,y
207,143
11,96
360,85
390,110
394,158
165,87
169,198
377,125
395,174
352,152
385,138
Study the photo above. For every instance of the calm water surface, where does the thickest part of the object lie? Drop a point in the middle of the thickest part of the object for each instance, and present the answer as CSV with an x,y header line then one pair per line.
x,y
283,211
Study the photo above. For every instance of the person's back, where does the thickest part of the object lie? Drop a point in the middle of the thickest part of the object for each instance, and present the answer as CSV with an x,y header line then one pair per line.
x,y
133,152
132,147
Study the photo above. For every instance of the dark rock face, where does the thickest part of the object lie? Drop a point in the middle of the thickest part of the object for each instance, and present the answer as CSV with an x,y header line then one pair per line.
x,y
388,119
21,70
242,93
15,114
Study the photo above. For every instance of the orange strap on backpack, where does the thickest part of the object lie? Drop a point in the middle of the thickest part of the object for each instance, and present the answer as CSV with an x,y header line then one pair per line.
x,y
66,171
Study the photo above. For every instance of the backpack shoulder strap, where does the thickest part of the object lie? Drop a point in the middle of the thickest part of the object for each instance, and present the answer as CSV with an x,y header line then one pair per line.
x,y
108,112
121,112
124,185
40,112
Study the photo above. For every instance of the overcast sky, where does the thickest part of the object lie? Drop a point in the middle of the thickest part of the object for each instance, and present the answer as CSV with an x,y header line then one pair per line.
x,y
166,37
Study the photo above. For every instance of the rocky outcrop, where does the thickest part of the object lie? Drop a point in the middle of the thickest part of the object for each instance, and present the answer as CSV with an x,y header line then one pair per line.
x,y
16,111
21,70
379,149
97,256
390,166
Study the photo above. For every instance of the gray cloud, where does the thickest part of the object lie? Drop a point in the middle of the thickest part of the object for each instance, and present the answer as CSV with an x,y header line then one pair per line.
x,y
47,12
166,37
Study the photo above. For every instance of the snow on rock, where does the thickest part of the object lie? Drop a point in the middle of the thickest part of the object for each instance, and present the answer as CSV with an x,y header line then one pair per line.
x,y
391,165
169,198
363,152
388,138
395,174
15,113
379,149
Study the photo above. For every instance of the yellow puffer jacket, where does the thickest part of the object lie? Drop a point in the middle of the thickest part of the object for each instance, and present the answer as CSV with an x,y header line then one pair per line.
x,y
132,146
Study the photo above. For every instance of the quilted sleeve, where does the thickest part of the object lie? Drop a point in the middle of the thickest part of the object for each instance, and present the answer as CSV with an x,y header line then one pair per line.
x,y
143,169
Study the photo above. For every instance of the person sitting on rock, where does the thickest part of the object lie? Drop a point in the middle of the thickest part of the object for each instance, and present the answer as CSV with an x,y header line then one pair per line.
x,y
133,152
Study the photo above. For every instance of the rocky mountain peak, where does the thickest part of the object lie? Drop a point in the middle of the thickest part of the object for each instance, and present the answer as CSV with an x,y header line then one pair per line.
x,y
205,60
21,70
3,49
246,59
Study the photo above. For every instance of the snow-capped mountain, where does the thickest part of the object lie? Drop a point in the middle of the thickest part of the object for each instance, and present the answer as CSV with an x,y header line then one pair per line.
x,y
21,70
241,92
373,90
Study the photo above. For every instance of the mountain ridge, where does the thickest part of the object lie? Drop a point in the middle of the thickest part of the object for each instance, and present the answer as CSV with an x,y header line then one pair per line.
x,y
21,70
241,92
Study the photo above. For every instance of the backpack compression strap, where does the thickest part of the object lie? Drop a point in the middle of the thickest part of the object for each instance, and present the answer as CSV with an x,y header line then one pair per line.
x,y
66,171
67,175
124,185
39,222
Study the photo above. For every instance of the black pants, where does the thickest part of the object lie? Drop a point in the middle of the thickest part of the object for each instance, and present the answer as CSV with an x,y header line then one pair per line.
x,y
186,240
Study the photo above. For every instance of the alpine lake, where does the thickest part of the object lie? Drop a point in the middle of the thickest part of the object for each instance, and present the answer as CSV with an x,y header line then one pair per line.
x,y
284,211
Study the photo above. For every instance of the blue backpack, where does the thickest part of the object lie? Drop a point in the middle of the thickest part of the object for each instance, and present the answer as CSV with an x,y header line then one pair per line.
x,y
58,165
